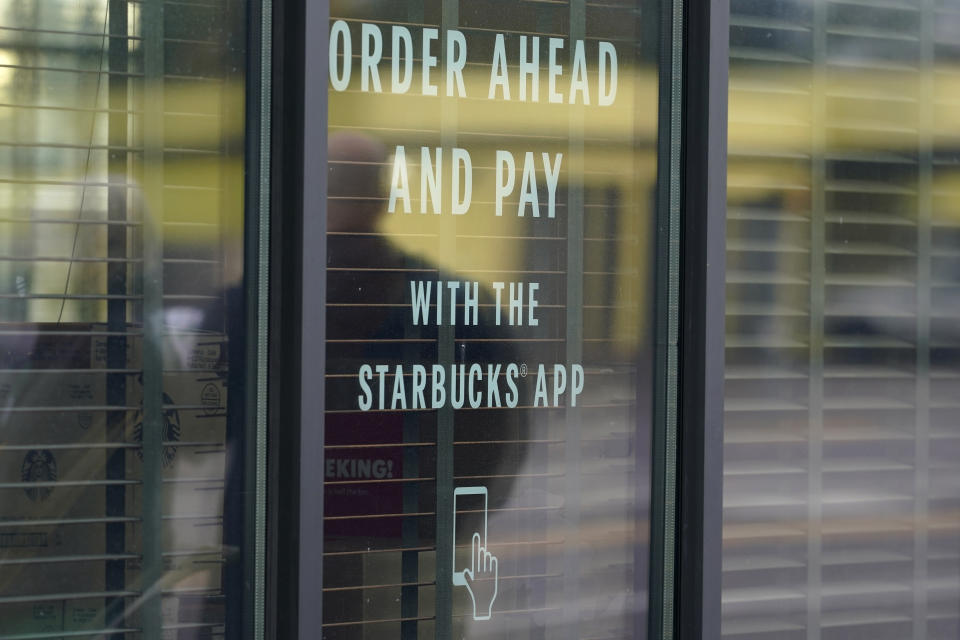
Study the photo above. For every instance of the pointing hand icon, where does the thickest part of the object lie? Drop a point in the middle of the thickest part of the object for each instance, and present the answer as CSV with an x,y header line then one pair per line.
x,y
481,579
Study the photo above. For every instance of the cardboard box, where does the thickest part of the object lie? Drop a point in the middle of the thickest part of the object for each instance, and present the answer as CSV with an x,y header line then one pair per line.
x,y
53,466
193,463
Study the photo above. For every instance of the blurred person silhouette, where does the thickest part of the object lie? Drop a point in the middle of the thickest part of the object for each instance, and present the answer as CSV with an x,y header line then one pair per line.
x,y
384,497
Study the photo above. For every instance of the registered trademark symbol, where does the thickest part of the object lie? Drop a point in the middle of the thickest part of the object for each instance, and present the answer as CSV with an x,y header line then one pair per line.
x,y
523,370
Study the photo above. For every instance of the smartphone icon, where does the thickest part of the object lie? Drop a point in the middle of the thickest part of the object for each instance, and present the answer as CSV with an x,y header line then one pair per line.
x,y
469,517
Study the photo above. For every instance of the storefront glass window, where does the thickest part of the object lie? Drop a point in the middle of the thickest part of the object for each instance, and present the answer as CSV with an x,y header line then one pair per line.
x,y
122,318
841,469
492,174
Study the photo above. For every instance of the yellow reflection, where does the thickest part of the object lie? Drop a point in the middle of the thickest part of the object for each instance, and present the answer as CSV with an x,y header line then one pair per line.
x,y
8,60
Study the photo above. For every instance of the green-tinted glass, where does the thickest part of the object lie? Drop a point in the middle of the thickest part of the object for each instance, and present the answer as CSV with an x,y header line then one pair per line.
x,y
122,319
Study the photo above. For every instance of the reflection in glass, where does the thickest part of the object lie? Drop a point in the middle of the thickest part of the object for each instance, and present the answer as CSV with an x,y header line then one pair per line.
x,y
557,494
841,473
121,137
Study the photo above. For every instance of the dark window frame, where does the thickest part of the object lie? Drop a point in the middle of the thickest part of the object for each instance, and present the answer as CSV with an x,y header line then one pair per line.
x,y
297,246
702,305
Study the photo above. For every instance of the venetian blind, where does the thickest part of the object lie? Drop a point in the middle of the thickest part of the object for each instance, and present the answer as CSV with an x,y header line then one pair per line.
x,y
567,485
121,136
841,475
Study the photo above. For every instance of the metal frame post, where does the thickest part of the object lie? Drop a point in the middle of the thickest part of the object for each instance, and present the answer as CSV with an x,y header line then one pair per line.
x,y
702,276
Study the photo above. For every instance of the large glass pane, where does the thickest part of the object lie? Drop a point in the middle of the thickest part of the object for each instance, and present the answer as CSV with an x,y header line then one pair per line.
x,y
842,479
489,319
121,318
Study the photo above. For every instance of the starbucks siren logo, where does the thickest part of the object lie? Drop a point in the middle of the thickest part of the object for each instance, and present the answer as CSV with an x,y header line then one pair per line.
x,y
39,465
171,431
